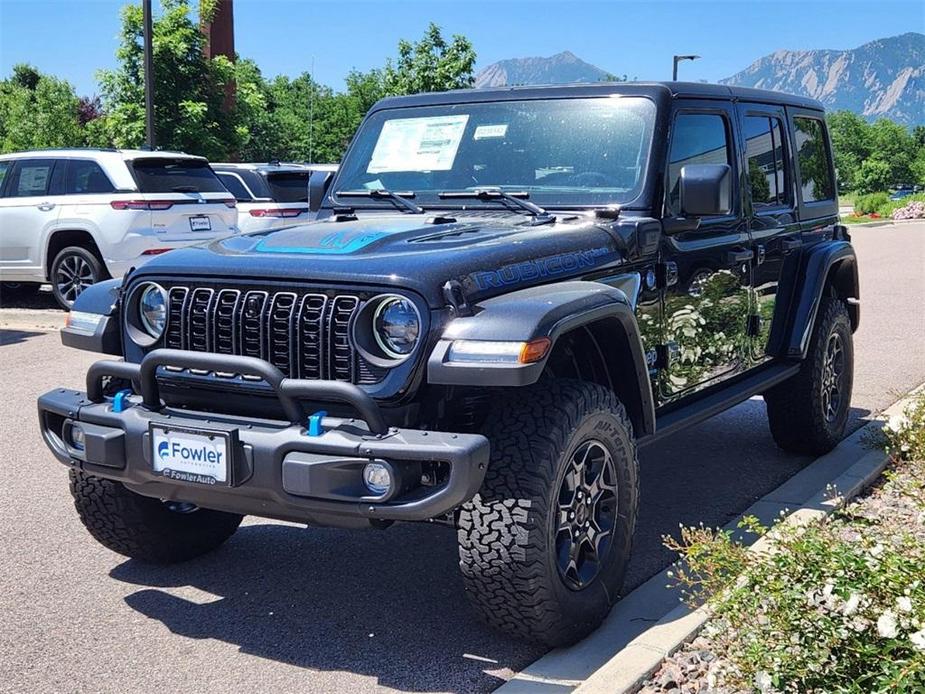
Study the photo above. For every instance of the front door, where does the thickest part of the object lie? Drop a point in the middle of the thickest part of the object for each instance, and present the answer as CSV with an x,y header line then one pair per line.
x,y
706,301
771,210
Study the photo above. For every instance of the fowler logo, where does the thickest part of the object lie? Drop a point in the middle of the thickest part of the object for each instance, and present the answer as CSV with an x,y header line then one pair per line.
x,y
163,450
177,450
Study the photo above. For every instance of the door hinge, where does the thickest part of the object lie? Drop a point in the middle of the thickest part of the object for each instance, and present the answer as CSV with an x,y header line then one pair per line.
x,y
666,274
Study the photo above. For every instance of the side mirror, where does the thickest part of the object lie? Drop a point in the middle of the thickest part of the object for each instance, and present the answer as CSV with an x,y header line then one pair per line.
x,y
706,189
318,184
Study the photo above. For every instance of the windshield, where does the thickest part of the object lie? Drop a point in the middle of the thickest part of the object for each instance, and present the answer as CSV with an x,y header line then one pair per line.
x,y
291,186
565,152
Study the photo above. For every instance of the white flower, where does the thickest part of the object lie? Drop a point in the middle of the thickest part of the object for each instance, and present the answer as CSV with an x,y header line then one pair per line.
x,y
763,681
918,639
851,604
904,604
886,625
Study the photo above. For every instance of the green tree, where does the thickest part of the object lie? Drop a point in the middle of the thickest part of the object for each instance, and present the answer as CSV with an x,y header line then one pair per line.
x,y
430,65
873,175
189,89
852,142
894,144
38,111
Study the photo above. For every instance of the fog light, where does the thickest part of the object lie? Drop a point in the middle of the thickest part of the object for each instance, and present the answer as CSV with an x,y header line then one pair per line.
x,y
377,478
78,437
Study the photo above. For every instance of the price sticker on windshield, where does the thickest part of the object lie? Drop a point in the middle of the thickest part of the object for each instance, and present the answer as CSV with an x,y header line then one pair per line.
x,y
418,144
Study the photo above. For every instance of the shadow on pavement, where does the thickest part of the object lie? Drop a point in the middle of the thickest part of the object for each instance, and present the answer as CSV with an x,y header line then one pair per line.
x,y
28,296
12,337
390,604
386,604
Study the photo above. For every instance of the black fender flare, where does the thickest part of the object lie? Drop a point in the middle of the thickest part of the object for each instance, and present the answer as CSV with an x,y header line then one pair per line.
x,y
545,311
101,299
827,263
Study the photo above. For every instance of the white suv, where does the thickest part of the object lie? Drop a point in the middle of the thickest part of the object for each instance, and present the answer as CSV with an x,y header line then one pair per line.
x,y
73,217
269,195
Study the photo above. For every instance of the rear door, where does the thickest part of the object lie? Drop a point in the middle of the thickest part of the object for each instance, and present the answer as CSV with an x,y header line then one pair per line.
x,y
187,200
772,212
28,211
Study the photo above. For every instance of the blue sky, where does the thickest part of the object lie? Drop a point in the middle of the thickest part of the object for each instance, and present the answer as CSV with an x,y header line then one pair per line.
x,y
74,38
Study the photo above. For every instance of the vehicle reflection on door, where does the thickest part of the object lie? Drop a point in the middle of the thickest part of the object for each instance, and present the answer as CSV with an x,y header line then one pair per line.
x,y
706,313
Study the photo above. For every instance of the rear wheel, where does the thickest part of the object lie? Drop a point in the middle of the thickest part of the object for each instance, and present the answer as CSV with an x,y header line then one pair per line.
x,y
147,529
544,545
73,270
808,413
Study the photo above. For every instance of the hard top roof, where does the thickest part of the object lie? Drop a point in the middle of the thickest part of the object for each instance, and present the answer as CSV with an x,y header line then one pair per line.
x,y
699,90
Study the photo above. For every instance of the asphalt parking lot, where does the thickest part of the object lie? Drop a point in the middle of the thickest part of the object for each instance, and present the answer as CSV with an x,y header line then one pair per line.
x,y
283,608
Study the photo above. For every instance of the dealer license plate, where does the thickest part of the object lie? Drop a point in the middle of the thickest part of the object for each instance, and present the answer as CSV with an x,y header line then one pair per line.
x,y
200,223
191,455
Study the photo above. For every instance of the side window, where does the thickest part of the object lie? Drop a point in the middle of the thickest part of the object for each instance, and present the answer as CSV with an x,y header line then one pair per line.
x,y
234,186
815,171
30,177
764,152
698,138
85,176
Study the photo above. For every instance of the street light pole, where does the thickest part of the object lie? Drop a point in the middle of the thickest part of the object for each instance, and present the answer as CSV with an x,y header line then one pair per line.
x,y
678,59
149,73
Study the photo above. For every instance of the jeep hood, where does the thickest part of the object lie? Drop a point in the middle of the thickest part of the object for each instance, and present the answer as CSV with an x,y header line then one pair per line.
x,y
488,253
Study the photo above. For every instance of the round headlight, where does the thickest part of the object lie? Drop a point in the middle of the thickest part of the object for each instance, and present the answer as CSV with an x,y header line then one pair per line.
x,y
396,326
152,310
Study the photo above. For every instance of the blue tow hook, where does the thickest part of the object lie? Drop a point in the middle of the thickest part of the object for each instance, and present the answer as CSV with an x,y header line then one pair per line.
x,y
120,401
314,427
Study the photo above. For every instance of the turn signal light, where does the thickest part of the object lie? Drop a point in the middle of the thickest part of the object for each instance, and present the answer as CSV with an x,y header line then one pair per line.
x,y
277,212
534,350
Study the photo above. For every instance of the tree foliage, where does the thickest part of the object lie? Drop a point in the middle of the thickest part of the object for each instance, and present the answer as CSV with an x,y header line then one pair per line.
x,y
872,157
38,111
431,64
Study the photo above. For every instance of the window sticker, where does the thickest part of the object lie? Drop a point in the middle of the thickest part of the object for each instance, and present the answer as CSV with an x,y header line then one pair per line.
x,y
418,144
483,132
33,179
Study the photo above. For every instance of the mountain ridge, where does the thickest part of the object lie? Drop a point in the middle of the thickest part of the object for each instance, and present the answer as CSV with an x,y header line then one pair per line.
x,y
881,78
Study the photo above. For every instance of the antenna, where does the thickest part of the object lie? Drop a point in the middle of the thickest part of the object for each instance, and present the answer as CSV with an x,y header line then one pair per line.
x,y
311,109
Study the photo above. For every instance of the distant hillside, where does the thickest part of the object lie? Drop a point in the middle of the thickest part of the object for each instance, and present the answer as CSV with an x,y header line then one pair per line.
x,y
561,68
881,78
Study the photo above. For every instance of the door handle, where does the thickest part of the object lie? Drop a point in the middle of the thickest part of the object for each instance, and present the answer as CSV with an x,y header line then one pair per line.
x,y
791,244
45,206
739,255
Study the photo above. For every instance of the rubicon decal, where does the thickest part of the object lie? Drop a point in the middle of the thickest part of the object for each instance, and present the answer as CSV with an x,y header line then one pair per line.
x,y
529,270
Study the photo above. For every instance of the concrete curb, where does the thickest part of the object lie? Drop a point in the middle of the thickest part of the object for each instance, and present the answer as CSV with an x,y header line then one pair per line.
x,y
649,624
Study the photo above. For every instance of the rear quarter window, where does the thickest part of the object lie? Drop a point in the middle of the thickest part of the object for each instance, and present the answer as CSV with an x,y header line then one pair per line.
x,y
86,177
175,176
289,187
234,186
817,182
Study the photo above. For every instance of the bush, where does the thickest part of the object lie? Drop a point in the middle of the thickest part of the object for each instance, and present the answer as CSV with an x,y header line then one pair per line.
x,y
870,203
837,606
911,210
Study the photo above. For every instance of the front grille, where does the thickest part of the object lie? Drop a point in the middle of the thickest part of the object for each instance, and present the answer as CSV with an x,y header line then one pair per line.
x,y
305,334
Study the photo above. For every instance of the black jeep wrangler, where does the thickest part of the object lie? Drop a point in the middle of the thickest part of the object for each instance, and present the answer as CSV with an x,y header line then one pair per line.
x,y
507,292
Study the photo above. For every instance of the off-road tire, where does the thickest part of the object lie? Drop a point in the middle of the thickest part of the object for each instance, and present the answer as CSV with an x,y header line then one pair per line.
x,y
144,528
74,259
796,407
506,533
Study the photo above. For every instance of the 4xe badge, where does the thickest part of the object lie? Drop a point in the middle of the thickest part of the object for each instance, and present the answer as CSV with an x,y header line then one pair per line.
x,y
187,456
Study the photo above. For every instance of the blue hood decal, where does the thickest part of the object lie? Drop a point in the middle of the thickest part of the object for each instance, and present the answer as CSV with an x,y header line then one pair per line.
x,y
335,243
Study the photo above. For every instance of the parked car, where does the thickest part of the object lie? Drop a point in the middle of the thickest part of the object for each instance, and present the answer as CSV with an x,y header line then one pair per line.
x,y
902,193
508,292
72,217
269,195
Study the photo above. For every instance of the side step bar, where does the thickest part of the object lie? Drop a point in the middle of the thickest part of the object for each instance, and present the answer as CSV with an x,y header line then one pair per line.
x,y
717,399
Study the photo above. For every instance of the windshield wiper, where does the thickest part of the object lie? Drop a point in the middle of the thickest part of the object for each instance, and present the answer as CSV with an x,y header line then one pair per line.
x,y
540,215
400,199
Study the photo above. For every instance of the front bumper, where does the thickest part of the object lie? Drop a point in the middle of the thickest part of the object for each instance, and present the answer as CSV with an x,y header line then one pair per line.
x,y
277,470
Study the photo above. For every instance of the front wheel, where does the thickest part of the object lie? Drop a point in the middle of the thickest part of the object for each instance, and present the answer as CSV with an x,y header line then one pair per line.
x,y
147,529
544,545
808,413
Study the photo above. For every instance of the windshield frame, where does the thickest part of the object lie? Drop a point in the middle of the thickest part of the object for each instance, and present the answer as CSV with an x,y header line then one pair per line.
x,y
430,200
